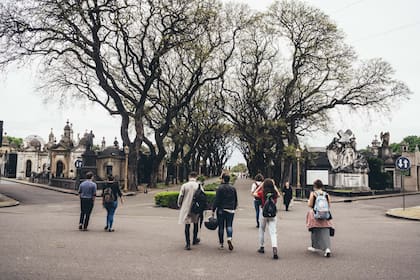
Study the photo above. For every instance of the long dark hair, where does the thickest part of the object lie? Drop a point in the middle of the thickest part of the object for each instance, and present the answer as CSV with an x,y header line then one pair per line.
x,y
268,187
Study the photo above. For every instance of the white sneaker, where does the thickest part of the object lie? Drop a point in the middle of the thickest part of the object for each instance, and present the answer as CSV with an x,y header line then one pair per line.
x,y
327,253
311,249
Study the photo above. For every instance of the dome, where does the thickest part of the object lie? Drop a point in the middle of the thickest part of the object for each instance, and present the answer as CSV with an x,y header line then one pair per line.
x,y
34,141
67,126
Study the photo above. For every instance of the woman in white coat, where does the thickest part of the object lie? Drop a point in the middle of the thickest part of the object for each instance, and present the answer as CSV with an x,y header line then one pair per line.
x,y
185,199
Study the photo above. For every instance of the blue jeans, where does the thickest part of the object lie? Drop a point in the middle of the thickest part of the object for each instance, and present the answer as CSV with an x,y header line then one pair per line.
x,y
225,219
257,204
110,209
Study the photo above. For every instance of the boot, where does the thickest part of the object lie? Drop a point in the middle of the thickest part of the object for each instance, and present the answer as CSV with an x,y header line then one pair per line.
x,y
275,256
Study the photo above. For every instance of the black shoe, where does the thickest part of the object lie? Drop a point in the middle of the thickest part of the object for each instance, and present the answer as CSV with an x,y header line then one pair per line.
x,y
276,257
257,226
80,227
85,229
106,228
111,230
261,250
229,242
196,241
187,247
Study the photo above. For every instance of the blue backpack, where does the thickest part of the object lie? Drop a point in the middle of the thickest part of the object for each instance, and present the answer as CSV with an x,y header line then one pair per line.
x,y
321,207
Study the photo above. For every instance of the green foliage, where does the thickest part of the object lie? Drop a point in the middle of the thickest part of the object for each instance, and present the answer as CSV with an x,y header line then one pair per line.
x,y
411,140
15,141
211,187
241,167
201,178
378,180
170,199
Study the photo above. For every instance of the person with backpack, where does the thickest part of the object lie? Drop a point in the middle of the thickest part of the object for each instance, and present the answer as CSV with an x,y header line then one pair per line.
x,y
259,178
187,213
318,220
225,202
110,194
287,195
87,193
268,193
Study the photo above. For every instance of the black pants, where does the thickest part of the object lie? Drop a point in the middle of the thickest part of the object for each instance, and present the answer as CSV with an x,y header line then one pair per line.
x,y
86,206
187,233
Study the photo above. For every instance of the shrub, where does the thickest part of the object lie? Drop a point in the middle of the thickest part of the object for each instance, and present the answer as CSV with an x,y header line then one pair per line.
x,y
211,187
170,199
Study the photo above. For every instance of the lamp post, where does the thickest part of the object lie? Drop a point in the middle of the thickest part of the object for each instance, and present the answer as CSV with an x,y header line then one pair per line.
x,y
126,151
298,156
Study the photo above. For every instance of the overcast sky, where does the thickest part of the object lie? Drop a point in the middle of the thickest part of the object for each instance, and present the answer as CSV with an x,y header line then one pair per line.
x,y
375,28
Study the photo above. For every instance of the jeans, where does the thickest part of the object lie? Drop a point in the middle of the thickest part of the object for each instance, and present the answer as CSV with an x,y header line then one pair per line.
x,y
225,219
86,206
110,210
187,233
272,229
257,204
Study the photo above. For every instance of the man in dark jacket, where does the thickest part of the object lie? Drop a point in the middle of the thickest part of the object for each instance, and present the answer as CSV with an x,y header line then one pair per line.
x,y
226,202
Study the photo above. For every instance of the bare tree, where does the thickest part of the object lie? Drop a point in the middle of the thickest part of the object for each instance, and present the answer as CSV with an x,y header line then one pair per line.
x,y
287,93
108,51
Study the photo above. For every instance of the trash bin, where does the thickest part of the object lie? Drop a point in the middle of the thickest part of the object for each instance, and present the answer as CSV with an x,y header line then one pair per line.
x,y
307,192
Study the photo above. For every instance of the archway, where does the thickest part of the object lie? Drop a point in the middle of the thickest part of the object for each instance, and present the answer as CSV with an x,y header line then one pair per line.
x,y
59,169
28,168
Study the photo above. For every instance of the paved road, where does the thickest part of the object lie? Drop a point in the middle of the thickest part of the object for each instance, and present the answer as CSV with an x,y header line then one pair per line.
x,y
40,240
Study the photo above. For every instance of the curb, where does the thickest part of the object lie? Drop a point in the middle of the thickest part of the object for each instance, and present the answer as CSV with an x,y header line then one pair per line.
x,y
6,201
66,191
351,199
390,214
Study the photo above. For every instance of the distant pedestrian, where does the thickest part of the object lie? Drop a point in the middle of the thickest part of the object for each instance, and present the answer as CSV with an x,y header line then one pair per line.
x,y
225,203
287,195
186,217
259,178
110,194
87,192
318,224
268,193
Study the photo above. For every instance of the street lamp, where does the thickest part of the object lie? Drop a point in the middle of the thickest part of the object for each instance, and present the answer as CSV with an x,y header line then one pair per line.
x,y
298,156
126,151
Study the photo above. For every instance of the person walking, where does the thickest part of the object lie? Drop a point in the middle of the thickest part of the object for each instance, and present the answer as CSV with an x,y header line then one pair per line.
x,y
185,199
259,178
110,194
287,195
267,191
319,225
225,202
87,192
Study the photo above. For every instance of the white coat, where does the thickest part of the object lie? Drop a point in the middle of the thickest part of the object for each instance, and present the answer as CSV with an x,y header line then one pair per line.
x,y
185,199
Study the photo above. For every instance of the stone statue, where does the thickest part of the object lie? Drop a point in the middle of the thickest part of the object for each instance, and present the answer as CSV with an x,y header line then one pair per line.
x,y
385,139
343,156
89,141
385,150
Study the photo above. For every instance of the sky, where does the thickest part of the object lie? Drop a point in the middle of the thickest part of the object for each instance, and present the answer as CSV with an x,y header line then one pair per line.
x,y
375,28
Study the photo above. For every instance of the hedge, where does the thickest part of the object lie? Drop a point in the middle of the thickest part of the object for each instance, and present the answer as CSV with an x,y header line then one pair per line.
x,y
170,199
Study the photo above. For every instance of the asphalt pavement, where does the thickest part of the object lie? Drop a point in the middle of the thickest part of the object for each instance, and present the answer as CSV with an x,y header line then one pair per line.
x,y
40,240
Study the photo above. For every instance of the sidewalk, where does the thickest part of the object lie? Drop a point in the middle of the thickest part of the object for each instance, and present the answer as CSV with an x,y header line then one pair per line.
x,y
56,189
412,213
339,199
7,201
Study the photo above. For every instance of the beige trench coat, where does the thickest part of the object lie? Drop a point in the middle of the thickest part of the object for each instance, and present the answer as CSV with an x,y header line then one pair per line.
x,y
185,198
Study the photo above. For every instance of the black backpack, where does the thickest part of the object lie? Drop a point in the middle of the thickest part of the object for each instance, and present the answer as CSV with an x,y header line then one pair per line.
x,y
199,202
270,208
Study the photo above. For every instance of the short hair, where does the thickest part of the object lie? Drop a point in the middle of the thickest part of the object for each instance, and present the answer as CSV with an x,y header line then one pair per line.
x,y
110,178
89,175
226,178
259,177
193,174
318,184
